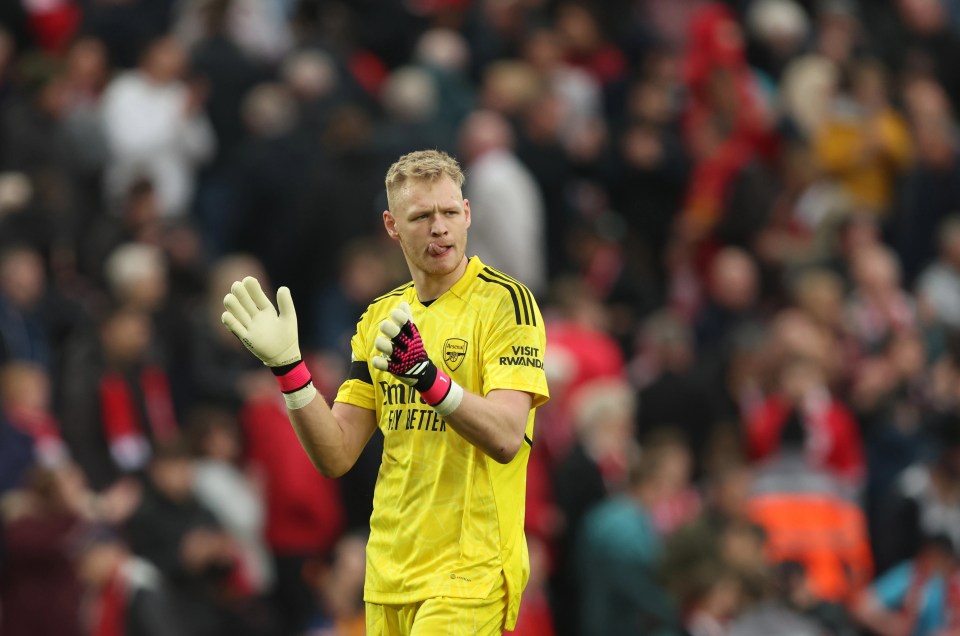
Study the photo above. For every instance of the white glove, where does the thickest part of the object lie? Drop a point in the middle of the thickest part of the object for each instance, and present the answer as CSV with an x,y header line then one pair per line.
x,y
251,317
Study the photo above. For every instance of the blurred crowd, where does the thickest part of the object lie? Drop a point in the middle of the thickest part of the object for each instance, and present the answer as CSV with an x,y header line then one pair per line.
x,y
741,220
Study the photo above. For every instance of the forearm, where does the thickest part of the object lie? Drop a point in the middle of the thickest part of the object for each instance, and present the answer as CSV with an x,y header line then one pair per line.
x,y
332,437
494,423
321,436
491,426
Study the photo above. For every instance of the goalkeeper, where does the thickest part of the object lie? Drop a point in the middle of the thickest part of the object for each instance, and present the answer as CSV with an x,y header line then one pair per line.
x,y
450,368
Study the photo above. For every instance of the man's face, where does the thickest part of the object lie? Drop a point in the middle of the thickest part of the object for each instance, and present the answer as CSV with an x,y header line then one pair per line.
x,y
430,220
165,61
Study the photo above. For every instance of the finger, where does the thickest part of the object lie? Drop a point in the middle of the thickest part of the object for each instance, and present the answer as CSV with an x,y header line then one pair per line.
x,y
380,363
285,303
252,285
389,328
233,306
401,314
238,290
230,322
384,346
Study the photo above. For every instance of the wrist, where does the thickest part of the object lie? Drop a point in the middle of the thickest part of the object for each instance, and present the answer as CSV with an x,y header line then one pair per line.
x,y
293,376
439,390
296,384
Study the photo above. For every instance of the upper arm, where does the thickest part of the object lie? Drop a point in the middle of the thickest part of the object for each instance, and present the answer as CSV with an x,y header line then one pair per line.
x,y
515,405
514,345
358,425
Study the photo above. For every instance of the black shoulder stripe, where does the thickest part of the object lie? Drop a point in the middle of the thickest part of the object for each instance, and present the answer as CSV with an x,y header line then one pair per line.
x,y
502,275
528,440
524,293
396,292
513,294
360,371
523,298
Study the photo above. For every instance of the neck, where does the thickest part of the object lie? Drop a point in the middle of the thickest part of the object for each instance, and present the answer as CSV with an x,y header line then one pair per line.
x,y
432,286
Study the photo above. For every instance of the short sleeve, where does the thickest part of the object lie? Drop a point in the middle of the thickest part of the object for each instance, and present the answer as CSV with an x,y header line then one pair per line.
x,y
357,389
513,351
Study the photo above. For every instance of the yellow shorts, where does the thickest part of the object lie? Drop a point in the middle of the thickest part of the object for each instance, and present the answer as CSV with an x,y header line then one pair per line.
x,y
441,616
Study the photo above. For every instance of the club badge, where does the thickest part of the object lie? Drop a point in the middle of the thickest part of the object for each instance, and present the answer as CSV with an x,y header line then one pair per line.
x,y
454,351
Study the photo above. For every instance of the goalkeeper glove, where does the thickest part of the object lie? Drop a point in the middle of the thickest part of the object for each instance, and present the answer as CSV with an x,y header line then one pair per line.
x,y
402,354
270,336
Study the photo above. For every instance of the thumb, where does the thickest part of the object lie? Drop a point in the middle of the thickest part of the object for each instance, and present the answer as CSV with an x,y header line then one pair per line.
x,y
285,305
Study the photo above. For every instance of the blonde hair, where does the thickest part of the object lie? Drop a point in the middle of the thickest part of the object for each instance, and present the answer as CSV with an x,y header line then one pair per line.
x,y
422,165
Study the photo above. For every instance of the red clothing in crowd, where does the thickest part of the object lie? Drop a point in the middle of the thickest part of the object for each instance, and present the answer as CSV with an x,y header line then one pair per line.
x,y
833,437
136,417
578,354
304,512
535,618
39,590
49,447
53,23
722,149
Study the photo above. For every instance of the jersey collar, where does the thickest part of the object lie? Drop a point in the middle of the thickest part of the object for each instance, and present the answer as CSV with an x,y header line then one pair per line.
x,y
457,289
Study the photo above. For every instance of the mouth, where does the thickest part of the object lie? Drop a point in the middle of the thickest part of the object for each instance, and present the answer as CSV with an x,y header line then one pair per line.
x,y
438,251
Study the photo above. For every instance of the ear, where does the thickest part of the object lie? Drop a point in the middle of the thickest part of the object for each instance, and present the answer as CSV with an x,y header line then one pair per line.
x,y
466,211
391,225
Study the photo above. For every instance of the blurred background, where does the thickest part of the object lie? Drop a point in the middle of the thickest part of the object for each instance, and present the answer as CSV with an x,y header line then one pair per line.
x,y
741,220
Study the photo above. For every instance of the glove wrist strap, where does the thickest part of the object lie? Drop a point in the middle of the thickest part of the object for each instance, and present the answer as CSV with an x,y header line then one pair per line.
x,y
296,383
427,379
442,393
292,377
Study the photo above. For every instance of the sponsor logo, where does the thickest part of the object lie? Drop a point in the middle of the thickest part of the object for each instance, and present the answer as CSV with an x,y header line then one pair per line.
x,y
454,351
523,356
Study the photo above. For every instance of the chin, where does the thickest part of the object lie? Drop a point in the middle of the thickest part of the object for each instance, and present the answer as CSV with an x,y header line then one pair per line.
x,y
438,269
442,265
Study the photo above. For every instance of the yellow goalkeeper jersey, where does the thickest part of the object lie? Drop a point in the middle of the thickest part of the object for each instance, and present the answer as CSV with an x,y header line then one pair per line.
x,y
447,519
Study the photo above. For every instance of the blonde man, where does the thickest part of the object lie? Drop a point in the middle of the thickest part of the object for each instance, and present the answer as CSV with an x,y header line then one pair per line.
x,y
450,367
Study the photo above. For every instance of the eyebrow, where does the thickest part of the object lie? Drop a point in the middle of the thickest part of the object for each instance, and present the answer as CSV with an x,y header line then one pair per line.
x,y
446,208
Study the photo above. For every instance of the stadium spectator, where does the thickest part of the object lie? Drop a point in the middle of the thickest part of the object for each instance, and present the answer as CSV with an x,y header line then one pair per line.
x,y
156,128
617,555
779,177
126,594
504,195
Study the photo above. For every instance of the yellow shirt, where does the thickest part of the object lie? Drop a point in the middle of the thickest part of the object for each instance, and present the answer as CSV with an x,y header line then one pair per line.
x,y
867,177
447,519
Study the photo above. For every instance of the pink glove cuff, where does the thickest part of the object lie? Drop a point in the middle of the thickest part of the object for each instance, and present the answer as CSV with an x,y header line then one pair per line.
x,y
295,379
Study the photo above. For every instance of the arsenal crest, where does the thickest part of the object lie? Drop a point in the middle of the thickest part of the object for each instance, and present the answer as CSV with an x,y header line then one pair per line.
x,y
454,351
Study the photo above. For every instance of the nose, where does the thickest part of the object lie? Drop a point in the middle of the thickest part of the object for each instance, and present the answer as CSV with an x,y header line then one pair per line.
x,y
439,227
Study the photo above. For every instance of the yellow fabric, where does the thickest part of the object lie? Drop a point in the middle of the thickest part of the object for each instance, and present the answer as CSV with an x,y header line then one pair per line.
x,y
868,177
440,616
447,519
